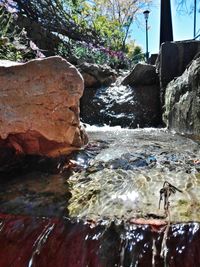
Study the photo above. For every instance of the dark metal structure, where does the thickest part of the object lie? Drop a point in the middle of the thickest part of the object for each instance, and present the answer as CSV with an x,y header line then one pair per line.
x,y
146,16
166,32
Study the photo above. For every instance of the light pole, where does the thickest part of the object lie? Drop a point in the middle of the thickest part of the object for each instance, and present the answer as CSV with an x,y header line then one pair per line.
x,y
195,16
146,16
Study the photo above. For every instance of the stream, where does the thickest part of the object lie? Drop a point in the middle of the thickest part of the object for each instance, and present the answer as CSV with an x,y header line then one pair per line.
x,y
101,206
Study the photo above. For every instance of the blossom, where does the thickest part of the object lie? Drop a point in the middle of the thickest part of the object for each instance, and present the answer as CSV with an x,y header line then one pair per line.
x,y
40,54
33,46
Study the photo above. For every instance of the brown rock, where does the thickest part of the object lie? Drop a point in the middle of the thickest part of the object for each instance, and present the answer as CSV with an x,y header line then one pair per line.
x,y
39,107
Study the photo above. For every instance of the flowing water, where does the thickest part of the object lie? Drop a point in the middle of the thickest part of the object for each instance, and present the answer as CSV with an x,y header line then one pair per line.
x,y
100,206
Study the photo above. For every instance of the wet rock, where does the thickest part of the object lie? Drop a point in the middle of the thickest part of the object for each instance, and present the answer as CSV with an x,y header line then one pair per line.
x,y
142,74
182,101
39,108
95,75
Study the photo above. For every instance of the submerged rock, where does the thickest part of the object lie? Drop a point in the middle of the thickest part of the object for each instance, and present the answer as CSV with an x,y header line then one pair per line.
x,y
182,101
39,108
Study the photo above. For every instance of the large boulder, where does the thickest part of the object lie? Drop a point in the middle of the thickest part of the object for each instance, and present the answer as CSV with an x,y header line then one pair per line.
x,y
182,101
95,75
174,57
39,107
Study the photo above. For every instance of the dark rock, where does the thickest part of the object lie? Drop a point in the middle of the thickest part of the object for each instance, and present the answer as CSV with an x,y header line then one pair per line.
x,y
173,60
182,101
95,75
153,59
142,74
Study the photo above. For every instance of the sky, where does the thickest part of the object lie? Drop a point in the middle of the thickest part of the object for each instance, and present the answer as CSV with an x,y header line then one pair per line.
x,y
182,27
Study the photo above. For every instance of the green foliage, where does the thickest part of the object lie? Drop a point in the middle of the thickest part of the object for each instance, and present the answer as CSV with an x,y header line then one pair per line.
x,y
99,54
118,17
7,32
14,44
87,30
134,52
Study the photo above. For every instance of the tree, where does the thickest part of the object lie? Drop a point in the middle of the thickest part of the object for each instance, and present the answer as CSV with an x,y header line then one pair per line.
x,y
186,5
58,16
96,21
122,13
190,6
98,27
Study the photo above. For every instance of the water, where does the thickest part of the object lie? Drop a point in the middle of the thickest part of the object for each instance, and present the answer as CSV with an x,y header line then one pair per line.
x,y
121,105
125,178
41,242
99,208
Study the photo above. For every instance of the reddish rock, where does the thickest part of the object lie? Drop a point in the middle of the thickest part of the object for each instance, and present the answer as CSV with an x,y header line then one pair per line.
x,y
39,107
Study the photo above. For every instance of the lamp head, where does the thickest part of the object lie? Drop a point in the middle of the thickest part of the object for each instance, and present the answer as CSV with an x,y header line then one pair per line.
x,y
146,14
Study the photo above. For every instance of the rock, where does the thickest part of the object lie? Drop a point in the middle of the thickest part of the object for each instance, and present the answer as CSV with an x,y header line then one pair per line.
x,y
142,74
173,60
39,107
95,75
153,58
182,101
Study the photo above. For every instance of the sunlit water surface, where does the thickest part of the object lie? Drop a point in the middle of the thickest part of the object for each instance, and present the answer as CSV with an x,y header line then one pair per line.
x,y
125,178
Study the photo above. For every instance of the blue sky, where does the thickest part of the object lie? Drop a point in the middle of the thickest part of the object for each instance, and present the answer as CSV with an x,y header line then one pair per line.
x,y
182,27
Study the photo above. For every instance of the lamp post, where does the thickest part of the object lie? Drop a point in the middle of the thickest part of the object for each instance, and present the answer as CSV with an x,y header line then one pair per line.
x,y
146,16
195,16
